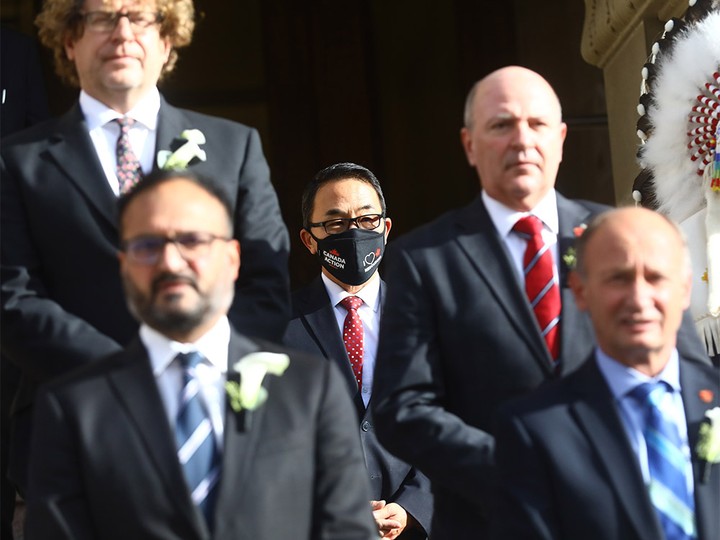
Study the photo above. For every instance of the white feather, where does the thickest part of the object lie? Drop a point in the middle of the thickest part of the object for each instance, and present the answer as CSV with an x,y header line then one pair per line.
x,y
681,76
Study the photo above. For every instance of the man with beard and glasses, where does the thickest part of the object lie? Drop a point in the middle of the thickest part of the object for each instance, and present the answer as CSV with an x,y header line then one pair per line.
x,y
61,301
345,226
146,444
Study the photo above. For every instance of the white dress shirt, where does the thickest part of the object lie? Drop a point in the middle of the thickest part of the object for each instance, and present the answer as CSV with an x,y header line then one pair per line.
x,y
369,313
211,373
622,380
104,132
504,219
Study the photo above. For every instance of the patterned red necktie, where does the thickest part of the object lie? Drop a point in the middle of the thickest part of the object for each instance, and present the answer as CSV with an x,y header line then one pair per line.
x,y
541,289
128,166
353,335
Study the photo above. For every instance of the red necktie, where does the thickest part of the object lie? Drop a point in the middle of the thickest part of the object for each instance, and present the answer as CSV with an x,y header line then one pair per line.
x,y
353,335
540,287
128,166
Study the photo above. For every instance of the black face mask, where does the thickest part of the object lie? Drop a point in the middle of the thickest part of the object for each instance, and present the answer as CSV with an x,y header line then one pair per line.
x,y
352,256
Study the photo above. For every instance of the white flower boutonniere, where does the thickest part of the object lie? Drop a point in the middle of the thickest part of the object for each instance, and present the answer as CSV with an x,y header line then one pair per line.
x,y
708,445
181,158
248,393
570,256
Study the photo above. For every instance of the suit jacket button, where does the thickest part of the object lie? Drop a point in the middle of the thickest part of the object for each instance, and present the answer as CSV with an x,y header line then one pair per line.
x,y
366,426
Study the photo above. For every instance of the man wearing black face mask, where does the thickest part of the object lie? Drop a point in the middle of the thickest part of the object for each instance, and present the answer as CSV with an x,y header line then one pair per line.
x,y
338,316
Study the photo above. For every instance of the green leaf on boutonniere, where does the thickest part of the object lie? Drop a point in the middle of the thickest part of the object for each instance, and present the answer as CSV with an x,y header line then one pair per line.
x,y
708,445
570,258
249,393
190,150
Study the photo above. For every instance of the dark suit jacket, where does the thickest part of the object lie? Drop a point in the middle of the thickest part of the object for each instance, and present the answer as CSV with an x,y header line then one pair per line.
x,y
313,328
458,338
104,463
24,98
567,469
62,300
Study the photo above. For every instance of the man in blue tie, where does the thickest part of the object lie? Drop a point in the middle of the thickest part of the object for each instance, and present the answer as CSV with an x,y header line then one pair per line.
x,y
612,452
194,431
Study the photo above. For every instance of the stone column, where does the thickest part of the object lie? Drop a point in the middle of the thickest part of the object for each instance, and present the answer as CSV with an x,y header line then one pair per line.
x,y
617,37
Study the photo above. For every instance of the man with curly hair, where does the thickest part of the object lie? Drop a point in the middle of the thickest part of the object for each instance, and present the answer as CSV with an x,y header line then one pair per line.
x,y
62,300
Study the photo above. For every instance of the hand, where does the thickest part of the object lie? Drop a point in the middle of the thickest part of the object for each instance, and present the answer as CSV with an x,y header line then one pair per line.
x,y
391,519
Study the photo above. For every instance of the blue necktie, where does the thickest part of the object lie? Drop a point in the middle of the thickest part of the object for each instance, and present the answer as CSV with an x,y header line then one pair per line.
x,y
195,439
668,487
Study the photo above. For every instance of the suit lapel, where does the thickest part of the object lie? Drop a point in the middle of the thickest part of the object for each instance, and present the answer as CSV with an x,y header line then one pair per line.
x,y
479,239
137,390
171,124
73,152
597,416
707,494
319,319
576,335
240,440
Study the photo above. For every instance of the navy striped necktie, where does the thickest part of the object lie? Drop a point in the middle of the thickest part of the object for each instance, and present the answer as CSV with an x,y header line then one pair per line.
x,y
669,467
197,451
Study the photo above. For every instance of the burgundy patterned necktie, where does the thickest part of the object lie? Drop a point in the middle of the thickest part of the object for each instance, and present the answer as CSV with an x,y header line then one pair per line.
x,y
353,335
128,166
541,289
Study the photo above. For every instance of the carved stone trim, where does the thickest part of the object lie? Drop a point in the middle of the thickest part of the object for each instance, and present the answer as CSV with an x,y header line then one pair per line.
x,y
608,23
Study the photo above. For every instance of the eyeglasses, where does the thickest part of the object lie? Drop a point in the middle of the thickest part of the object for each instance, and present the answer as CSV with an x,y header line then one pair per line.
x,y
191,246
106,21
340,225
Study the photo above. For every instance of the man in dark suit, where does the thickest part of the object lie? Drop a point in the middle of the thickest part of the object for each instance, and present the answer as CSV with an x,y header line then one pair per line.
x,y
24,103
611,451
459,335
62,302
146,444
344,213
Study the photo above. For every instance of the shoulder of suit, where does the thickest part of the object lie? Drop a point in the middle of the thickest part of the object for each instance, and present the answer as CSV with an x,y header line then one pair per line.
x,y
442,228
88,373
708,370
591,206
40,133
199,120
294,355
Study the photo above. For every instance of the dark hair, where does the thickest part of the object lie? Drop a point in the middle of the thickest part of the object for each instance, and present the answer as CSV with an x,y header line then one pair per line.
x,y
333,173
160,176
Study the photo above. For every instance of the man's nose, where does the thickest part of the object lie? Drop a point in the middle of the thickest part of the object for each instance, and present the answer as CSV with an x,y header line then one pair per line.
x,y
123,29
523,136
640,291
170,257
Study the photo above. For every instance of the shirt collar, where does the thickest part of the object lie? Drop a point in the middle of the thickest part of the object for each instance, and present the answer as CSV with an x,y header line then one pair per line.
x,y
97,114
623,379
504,218
213,345
370,293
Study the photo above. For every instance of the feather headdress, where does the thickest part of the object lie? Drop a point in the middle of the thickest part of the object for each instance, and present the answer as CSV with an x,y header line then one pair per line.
x,y
679,131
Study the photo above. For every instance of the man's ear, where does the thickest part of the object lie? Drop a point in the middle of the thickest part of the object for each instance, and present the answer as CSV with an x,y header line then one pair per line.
x,y
577,285
234,256
308,241
466,140
69,45
388,226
